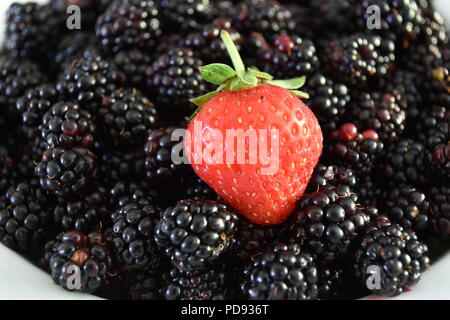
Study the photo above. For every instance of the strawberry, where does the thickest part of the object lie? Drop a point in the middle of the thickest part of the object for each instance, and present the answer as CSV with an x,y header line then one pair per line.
x,y
266,185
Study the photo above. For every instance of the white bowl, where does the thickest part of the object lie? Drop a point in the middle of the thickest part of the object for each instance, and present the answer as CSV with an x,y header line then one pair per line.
x,y
19,279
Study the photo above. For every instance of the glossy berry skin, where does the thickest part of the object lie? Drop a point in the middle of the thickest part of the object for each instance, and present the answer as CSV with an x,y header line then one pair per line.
x,y
399,255
195,234
281,272
263,199
132,234
438,150
72,250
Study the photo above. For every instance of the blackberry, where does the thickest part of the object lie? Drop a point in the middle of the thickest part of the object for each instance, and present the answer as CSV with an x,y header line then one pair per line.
x,y
369,191
330,280
440,210
408,207
122,193
210,285
127,116
358,58
129,24
175,80
197,189
380,112
358,152
337,17
289,56
267,17
433,30
281,272
438,149
401,18
327,222
66,172
400,257
87,80
66,125
143,285
195,234
90,9
160,151
35,103
134,64
90,254
25,220
324,175
16,77
74,46
404,162
33,30
6,170
133,233
328,101
428,120
187,15
122,164
437,86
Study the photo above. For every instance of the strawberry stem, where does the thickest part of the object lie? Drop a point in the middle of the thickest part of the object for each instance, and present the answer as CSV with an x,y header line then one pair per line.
x,y
233,53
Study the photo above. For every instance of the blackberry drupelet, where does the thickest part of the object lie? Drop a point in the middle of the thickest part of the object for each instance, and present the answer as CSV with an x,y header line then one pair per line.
x,y
327,222
66,172
35,103
210,285
380,112
129,24
66,125
33,30
16,77
360,151
133,235
438,149
122,164
267,17
333,175
400,257
440,210
175,80
143,285
281,272
25,220
122,193
187,15
90,254
369,190
407,206
328,100
126,116
358,58
74,46
197,189
433,30
87,80
134,64
404,162
195,234
289,56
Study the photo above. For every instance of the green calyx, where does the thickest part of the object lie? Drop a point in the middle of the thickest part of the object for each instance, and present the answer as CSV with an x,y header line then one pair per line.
x,y
241,78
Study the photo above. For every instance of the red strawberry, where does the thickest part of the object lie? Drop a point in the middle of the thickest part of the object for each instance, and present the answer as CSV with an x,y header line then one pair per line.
x,y
249,99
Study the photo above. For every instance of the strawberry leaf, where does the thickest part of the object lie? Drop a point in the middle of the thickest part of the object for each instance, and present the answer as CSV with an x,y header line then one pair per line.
x,y
300,94
217,73
202,100
290,84
259,74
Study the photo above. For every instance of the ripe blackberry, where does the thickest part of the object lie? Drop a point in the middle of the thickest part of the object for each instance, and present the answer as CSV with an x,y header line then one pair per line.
x,y
129,24
380,112
127,116
289,56
33,30
210,285
175,80
438,149
187,15
408,207
328,101
87,80
25,220
324,175
143,285
195,234
326,222
440,210
330,280
427,122
122,193
74,46
433,30
66,125
399,255
90,254
358,58
404,162
133,235
161,171
197,189
66,172
401,18
359,151
437,86
35,103
281,272
369,191
122,164
267,17
16,77
134,63
6,170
